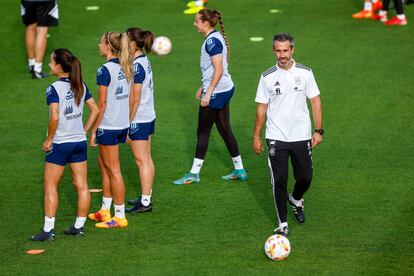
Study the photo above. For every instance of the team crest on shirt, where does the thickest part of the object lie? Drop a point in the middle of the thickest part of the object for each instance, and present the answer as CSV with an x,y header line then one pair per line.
x,y
272,147
277,89
298,81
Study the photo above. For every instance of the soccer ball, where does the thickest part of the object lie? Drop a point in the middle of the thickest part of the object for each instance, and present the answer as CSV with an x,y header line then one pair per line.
x,y
162,45
277,247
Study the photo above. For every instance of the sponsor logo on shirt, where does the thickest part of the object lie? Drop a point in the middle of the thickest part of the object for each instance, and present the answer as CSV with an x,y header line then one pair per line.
x,y
74,116
68,109
119,90
120,93
121,75
69,95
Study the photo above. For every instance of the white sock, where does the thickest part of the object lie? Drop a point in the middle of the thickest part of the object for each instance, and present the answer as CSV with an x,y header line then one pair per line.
x,y
106,203
199,3
38,67
296,202
49,224
367,6
401,16
283,224
197,164
80,222
145,200
119,211
237,162
31,61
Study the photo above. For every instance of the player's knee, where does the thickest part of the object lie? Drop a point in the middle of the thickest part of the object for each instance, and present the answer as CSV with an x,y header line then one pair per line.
x,y
80,185
142,160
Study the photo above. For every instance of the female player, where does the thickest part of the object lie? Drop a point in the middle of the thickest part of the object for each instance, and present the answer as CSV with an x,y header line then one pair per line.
x,y
111,127
66,140
214,94
142,116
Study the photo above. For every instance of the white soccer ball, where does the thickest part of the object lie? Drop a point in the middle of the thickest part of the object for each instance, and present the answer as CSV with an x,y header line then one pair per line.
x,y
162,45
277,247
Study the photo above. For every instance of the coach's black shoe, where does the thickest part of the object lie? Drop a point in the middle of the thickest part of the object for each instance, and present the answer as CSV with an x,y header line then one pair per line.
x,y
74,231
44,236
38,75
297,210
139,208
134,202
31,69
281,231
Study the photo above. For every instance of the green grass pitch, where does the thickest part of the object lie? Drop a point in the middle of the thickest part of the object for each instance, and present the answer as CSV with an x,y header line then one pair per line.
x,y
360,205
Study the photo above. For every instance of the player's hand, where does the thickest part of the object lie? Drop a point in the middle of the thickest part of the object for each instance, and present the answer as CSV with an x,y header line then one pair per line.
x,y
316,139
47,145
128,140
198,93
92,139
257,145
205,100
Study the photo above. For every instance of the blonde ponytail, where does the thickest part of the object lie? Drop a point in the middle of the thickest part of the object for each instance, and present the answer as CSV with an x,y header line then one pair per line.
x,y
126,56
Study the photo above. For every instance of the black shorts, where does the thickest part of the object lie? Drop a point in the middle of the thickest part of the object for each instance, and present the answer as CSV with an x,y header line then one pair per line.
x,y
44,13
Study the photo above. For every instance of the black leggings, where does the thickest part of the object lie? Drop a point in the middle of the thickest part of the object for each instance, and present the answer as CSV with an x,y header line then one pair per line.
x,y
397,3
206,118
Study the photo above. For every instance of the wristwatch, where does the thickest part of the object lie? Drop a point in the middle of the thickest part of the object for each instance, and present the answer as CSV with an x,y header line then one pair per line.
x,y
319,130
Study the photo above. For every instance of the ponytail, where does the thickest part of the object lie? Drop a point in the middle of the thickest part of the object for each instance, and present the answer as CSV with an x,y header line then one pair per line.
x,y
126,56
119,45
71,64
148,41
223,32
213,17
143,39
75,78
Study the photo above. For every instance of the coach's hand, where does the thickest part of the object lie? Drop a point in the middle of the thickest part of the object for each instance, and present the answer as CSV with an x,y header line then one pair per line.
x,y
257,145
316,139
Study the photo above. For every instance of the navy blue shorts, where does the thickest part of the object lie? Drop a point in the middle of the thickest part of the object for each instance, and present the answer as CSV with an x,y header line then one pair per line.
x,y
141,131
111,137
64,153
219,100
